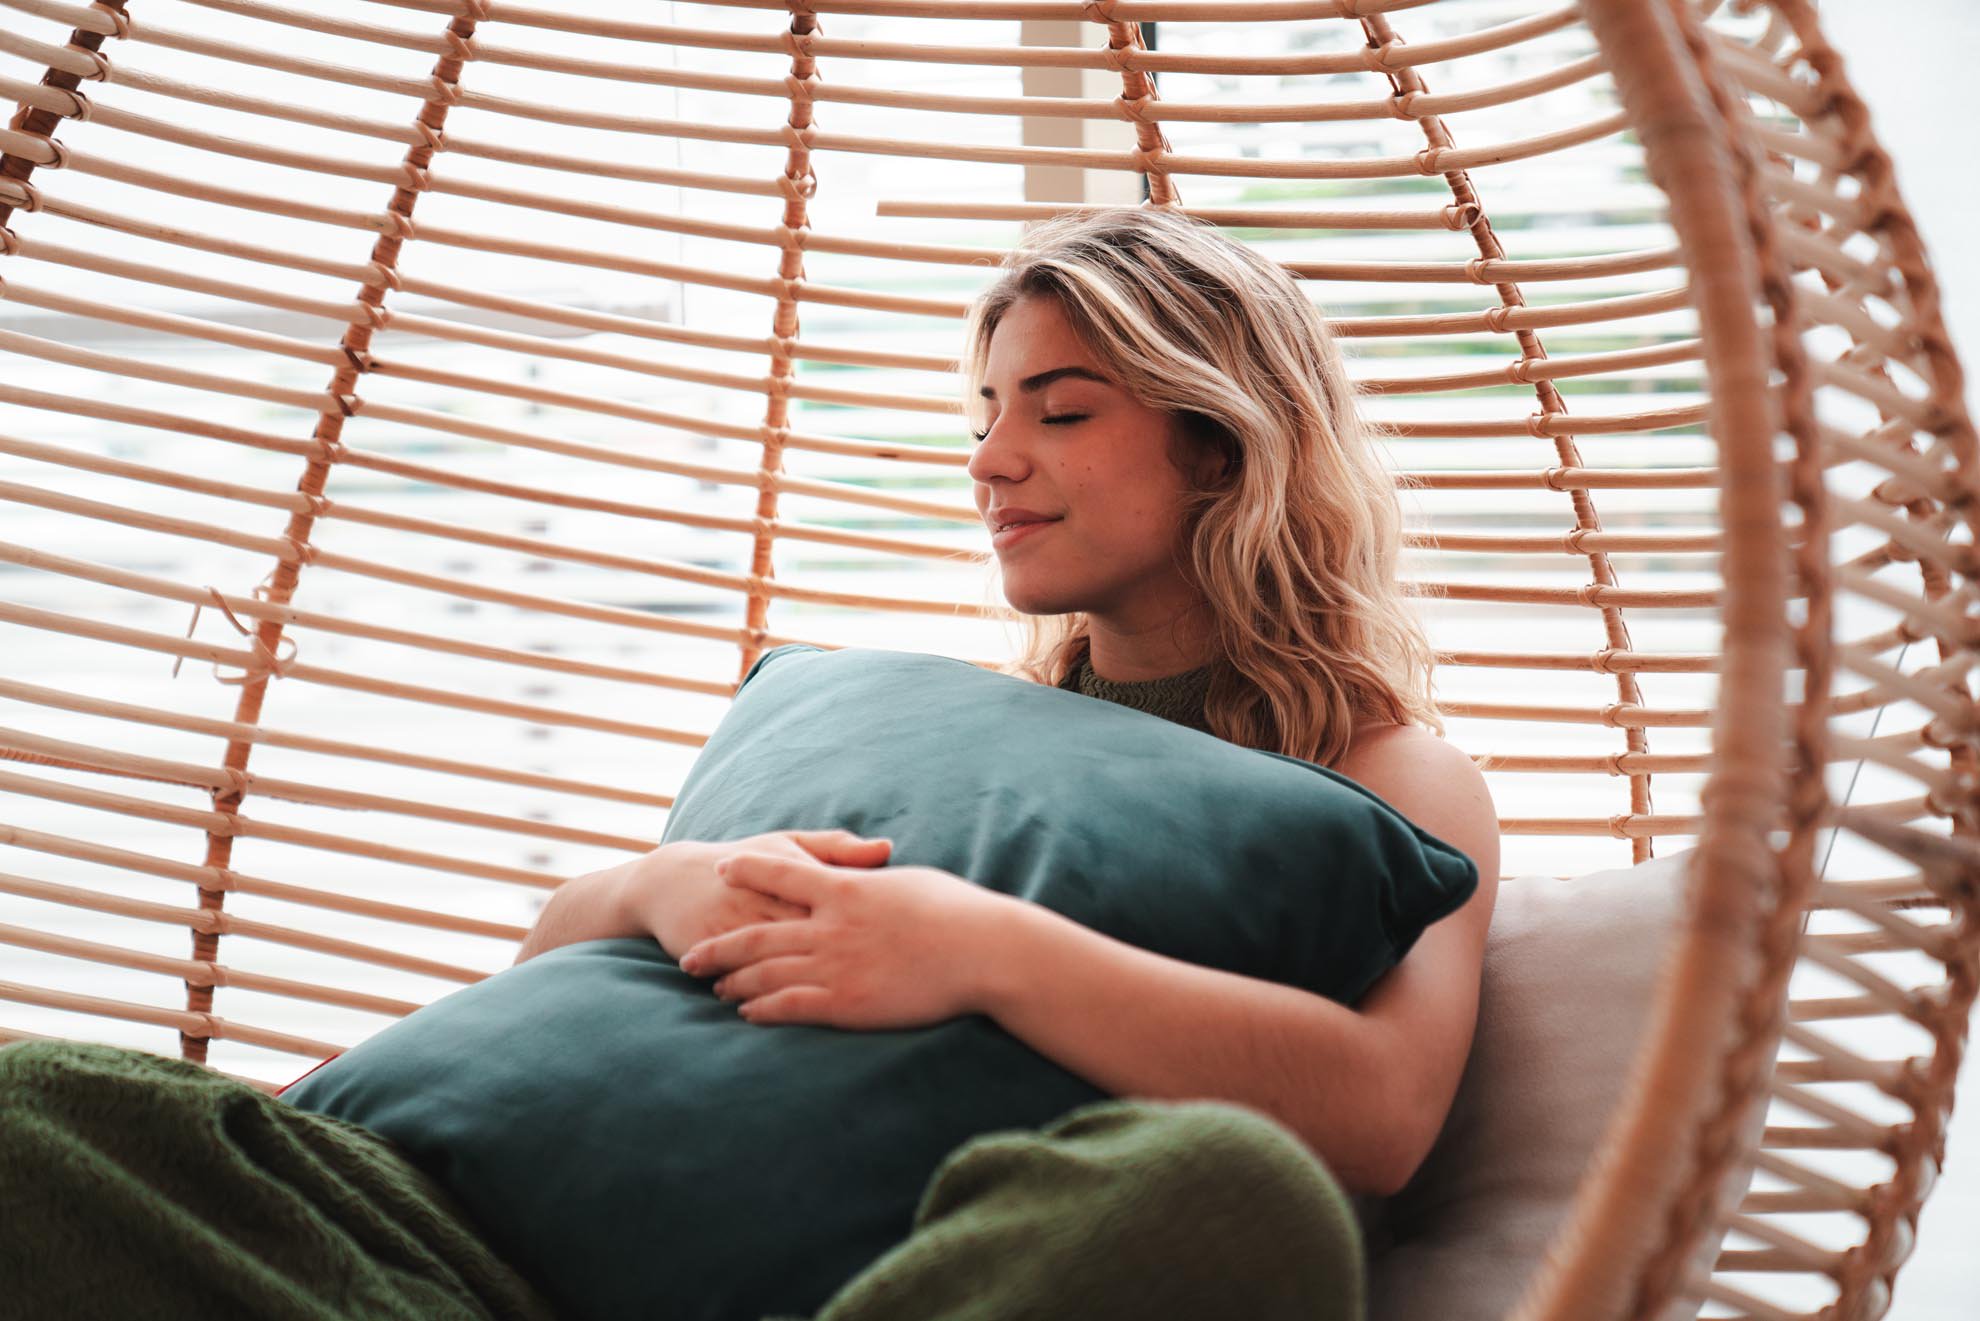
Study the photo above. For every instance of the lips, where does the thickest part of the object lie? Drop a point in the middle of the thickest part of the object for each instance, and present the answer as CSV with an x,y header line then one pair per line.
x,y
1012,515
1020,531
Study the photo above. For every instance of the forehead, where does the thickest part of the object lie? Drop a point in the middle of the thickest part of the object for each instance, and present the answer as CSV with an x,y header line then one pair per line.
x,y
1034,328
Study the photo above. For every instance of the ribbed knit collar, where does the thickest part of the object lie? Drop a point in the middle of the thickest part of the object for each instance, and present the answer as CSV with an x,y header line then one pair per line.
x,y
1177,697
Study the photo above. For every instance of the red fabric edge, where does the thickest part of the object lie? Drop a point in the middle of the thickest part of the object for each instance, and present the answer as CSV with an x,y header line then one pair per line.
x,y
319,1064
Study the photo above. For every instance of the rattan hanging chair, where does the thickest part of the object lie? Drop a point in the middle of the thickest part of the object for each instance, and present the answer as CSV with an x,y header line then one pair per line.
x,y
534,445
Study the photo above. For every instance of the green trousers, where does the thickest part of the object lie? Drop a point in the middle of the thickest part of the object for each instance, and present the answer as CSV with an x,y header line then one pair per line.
x,y
137,1186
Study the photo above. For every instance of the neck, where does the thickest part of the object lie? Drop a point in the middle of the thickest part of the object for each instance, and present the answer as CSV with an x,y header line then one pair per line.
x,y
1139,658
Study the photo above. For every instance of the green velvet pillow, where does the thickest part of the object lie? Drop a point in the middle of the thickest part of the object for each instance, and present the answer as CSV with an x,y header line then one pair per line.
x,y
627,1141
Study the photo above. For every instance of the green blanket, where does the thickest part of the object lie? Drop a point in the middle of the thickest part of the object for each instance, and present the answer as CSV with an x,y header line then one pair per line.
x,y
133,1185
137,1186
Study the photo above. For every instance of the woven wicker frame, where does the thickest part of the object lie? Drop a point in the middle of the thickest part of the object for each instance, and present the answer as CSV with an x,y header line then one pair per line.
x,y
1774,261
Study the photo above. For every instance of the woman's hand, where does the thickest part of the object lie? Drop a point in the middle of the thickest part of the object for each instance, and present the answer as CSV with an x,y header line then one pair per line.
x,y
896,947
675,894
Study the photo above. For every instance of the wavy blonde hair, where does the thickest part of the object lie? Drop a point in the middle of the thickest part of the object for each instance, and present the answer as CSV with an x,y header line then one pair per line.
x,y
1295,542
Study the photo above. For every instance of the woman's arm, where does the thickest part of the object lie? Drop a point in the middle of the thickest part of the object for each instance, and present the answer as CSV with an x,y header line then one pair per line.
x,y
1366,1088
588,907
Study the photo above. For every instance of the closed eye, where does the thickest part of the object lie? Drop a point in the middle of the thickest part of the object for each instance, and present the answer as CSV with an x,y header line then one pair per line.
x,y
1059,418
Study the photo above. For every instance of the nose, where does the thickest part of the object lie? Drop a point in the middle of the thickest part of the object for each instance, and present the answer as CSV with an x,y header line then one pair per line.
x,y
997,454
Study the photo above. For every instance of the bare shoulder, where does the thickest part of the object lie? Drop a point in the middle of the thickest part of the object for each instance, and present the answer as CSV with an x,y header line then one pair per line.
x,y
1434,783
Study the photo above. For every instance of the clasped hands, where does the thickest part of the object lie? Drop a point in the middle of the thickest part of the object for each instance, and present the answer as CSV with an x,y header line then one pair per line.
x,y
814,927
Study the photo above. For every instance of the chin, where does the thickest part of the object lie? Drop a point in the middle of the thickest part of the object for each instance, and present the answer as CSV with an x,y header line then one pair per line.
x,y
1027,598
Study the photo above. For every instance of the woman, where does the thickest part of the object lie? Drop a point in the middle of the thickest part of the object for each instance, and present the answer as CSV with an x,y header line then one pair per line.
x,y
1190,519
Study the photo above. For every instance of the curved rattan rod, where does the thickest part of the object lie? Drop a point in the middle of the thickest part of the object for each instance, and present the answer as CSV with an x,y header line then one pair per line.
x,y
1790,145
65,103
1519,372
1822,252
1794,1201
1892,402
1754,73
1893,344
1534,425
583,318
1836,1009
1922,617
1941,942
1914,476
1556,479
1569,545
36,147
1903,894
289,346
214,878
1919,538
32,694
1151,111
76,105
1620,826
1938,688
194,1024
1839,1117
1478,271
1299,215
1746,1306
1366,59
1785,1250
1646,543
235,825
36,695
191,775
1753,1261
1431,161
1896,1000
1779,186
1495,320
1588,595
190,919
1127,11
1616,714
1843,1196
198,972
57,59
1606,662
171,645
1944,786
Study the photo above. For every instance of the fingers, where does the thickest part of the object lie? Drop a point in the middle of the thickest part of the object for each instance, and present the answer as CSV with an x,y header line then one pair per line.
x,y
761,978
744,946
843,847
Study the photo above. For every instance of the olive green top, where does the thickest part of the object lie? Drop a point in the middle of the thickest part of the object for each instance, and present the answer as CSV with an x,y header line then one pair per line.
x,y
1177,697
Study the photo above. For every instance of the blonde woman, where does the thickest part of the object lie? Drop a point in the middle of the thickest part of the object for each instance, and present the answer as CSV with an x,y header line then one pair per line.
x,y
1190,518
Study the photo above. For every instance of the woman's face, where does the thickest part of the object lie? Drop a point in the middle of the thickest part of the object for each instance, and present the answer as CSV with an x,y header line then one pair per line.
x,y
1065,442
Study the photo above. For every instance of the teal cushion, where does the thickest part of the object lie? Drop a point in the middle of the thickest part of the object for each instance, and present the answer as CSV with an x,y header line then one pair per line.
x,y
637,1149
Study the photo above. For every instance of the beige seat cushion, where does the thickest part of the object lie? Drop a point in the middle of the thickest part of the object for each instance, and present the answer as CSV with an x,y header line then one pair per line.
x,y
1570,975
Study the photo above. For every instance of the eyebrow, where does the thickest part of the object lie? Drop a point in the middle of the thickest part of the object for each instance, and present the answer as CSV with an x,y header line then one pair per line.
x,y
1030,384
